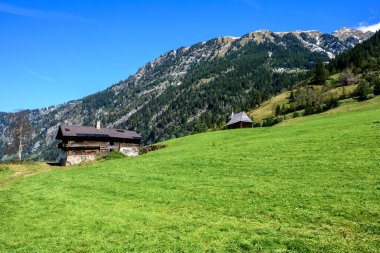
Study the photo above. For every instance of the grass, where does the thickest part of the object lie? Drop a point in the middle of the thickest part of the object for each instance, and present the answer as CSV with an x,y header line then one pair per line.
x,y
339,91
268,108
13,171
309,185
111,156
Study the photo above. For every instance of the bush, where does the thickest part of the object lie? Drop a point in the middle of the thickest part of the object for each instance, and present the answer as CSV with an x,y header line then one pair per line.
x,y
270,121
309,109
278,110
112,155
256,124
376,88
332,103
370,77
151,148
362,90
347,78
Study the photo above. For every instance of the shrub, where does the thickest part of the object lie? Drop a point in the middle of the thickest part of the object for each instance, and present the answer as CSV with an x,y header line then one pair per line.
x,y
362,90
278,110
376,88
370,77
270,121
347,78
309,110
332,103
151,148
112,155
256,124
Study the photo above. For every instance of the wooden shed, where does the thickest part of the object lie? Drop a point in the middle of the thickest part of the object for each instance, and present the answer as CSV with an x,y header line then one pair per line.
x,y
239,120
82,143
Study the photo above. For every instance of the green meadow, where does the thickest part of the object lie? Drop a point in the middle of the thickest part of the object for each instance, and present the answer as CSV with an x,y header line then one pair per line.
x,y
311,184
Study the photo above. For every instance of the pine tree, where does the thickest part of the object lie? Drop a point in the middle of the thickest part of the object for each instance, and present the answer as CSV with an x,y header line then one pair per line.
x,y
278,110
320,73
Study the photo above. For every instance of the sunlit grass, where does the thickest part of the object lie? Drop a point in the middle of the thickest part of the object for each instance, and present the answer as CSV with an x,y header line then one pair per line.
x,y
13,171
309,185
268,108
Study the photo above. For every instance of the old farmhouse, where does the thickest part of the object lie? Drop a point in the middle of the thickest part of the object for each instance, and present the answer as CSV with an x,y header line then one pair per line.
x,y
81,143
239,120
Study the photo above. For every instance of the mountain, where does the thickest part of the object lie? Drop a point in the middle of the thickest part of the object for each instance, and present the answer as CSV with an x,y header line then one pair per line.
x,y
364,56
352,35
193,88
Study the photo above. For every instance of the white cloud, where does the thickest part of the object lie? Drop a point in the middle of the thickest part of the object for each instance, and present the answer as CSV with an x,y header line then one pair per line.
x,y
39,14
38,75
365,28
11,9
28,70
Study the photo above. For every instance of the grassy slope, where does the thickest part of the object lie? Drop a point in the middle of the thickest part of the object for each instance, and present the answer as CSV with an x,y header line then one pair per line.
x,y
313,185
11,172
268,108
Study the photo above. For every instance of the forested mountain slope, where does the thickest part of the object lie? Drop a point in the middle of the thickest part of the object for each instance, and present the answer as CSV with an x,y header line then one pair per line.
x,y
365,56
192,88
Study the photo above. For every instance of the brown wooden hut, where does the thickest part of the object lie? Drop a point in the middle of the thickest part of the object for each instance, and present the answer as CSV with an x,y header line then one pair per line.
x,y
81,143
239,120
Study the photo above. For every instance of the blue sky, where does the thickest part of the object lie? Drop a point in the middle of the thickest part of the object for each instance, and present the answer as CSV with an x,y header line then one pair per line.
x,y
55,51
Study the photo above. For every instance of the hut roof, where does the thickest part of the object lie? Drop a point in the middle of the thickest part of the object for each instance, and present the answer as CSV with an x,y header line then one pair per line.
x,y
92,132
239,117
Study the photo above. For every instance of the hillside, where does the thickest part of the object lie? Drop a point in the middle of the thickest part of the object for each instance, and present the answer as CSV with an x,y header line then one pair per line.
x,y
267,110
364,57
192,89
309,185
352,74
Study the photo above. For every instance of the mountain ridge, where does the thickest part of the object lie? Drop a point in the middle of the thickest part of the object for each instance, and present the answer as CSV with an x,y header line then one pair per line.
x,y
192,87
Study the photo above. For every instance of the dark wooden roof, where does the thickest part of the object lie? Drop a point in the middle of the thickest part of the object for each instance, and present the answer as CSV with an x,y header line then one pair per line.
x,y
239,117
78,132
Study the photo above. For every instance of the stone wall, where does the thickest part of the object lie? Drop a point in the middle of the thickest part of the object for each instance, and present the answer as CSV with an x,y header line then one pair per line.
x,y
130,151
76,159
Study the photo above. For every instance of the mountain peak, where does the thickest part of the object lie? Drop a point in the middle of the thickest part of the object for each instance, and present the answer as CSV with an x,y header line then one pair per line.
x,y
231,37
345,29
345,33
200,83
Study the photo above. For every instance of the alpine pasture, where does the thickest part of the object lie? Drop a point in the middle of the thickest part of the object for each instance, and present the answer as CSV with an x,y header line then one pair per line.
x,y
308,185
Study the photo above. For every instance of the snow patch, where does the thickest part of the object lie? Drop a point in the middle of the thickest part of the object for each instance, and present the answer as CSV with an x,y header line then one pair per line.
x,y
330,55
231,37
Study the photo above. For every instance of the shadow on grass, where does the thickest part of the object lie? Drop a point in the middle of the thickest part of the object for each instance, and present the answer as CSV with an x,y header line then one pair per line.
x,y
54,164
